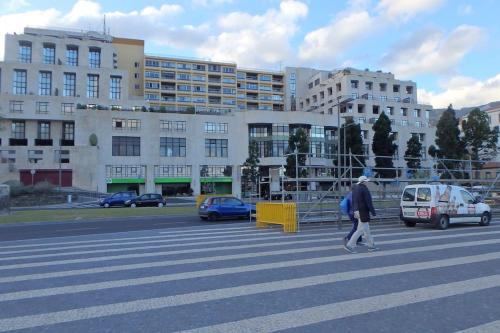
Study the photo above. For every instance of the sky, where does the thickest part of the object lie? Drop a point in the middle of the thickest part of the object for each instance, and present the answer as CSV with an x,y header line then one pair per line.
x,y
450,48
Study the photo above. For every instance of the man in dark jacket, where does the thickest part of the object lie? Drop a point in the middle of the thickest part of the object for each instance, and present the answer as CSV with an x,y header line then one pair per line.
x,y
362,206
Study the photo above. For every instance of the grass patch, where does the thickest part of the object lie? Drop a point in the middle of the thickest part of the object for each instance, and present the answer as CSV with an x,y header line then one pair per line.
x,y
54,215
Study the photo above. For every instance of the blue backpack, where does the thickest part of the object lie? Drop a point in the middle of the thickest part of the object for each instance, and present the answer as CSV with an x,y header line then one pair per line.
x,y
344,205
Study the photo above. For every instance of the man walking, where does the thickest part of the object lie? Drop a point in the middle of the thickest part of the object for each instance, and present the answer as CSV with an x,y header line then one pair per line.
x,y
362,206
346,207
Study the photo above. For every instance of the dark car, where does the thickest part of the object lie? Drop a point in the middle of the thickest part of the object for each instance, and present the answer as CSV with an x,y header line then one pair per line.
x,y
146,200
117,199
214,208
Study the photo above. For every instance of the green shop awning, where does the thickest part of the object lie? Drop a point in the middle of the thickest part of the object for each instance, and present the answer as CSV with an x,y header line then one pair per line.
x,y
172,180
125,180
216,179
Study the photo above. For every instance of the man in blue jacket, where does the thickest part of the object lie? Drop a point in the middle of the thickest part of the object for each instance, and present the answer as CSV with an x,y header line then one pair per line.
x,y
362,206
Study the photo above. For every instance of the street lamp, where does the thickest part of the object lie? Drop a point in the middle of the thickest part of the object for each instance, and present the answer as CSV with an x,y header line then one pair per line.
x,y
339,103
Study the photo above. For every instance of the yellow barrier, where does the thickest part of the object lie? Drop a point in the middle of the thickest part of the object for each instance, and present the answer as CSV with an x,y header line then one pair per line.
x,y
200,198
277,213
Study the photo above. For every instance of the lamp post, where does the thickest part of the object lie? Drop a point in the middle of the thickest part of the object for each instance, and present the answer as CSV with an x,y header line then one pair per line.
x,y
339,176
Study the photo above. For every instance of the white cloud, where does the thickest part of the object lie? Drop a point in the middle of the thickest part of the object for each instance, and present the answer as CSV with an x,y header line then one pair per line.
x,y
255,40
13,5
151,23
429,51
209,3
327,43
462,92
397,10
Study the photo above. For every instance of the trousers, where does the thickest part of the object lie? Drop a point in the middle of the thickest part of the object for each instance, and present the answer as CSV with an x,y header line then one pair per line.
x,y
362,229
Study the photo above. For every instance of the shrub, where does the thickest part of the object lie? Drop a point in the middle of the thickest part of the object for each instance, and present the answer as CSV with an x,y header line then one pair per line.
x,y
43,187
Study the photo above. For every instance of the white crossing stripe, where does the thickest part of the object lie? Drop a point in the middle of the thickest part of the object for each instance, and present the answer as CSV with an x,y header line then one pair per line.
x,y
164,263
493,327
70,289
345,309
284,320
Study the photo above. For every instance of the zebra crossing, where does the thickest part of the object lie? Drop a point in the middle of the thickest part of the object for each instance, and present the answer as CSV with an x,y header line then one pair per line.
x,y
236,278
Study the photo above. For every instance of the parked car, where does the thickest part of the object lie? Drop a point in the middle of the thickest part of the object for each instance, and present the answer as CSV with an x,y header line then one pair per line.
x,y
214,208
442,205
145,200
117,199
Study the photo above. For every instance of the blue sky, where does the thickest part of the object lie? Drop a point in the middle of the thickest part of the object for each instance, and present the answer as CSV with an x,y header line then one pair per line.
x,y
447,46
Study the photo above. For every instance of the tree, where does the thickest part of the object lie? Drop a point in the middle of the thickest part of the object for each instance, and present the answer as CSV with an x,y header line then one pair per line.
x,y
413,154
449,144
384,147
297,141
479,139
251,169
354,143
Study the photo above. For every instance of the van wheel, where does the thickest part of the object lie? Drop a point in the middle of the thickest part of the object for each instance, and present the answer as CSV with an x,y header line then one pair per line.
x,y
485,219
443,222
410,224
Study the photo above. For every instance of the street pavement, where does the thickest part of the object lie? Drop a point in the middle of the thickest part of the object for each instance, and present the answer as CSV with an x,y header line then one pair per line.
x,y
232,277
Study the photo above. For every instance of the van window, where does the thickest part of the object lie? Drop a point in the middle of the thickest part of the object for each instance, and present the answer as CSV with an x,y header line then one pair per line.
x,y
424,194
468,199
409,194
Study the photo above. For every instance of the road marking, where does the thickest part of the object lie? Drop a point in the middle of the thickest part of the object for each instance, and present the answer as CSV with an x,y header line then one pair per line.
x,y
345,309
493,327
321,237
280,321
75,229
71,289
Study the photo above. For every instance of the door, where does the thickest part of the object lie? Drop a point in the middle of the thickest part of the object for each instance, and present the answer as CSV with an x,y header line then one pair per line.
x,y
145,200
408,204
423,205
235,206
117,200
467,208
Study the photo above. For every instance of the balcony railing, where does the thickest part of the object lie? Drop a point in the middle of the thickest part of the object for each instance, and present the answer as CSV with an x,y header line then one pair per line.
x,y
64,142
18,142
43,142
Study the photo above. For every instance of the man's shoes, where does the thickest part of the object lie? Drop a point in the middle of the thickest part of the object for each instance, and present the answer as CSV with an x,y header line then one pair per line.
x,y
373,249
361,243
345,241
349,249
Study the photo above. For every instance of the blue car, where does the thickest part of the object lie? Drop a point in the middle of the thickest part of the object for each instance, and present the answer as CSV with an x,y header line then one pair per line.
x,y
117,199
215,208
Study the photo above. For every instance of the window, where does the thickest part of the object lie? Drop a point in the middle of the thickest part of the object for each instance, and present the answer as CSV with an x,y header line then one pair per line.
x,y
228,69
317,132
361,120
428,114
153,75
383,86
92,86
16,106
126,146
69,84
409,194
183,66
152,63
468,198
67,108
424,194
198,67
169,125
368,85
199,78
19,84
265,77
211,127
421,137
364,134
404,123
279,148
354,84
173,147
316,82
45,83
61,156
213,68
409,90
228,80
133,124
25,52
18,129
35,155
119,124
49,53
228,91
42,107
259,132
395,88
404,112
390,110
43,130
115,87
72,55
183,76
68,131
338,87
215,147
94,57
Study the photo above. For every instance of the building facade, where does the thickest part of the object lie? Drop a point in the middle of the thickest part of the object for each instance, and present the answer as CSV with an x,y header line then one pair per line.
x,y
92,111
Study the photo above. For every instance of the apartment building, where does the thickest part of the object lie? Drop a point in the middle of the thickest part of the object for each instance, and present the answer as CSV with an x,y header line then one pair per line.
x,y
179,84
364,95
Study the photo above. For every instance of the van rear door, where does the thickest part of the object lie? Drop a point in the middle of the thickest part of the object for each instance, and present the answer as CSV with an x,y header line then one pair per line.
x,y
424,198
408,204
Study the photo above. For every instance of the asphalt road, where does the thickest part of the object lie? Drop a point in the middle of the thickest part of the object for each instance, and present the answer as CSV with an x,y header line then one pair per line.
x,y
230,277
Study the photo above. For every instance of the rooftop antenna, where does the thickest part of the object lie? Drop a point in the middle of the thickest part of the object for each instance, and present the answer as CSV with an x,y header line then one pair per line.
x,y
104,25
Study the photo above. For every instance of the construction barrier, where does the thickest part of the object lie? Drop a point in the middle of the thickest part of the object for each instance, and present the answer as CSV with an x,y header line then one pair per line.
x,y
277,213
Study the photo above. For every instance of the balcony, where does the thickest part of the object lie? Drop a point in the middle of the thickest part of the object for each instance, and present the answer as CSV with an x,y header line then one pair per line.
x,y
64,142
18,142
43,142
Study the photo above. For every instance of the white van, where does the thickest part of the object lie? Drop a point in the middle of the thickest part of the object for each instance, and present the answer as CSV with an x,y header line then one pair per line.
x,y
441,205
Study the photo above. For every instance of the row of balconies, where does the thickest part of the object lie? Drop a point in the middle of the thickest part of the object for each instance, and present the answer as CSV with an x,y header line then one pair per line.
x,y
40,142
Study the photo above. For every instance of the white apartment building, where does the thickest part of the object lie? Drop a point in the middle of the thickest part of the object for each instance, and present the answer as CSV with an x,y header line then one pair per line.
x,y
77,109
363,95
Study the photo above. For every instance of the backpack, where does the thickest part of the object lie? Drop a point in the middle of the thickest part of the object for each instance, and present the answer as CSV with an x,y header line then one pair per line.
x,y
344,205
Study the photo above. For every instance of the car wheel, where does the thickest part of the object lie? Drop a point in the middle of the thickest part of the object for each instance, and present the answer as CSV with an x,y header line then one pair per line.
x,y
485,219
160,204
410,224
106,205
133,205
212,217
204,218
443,222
